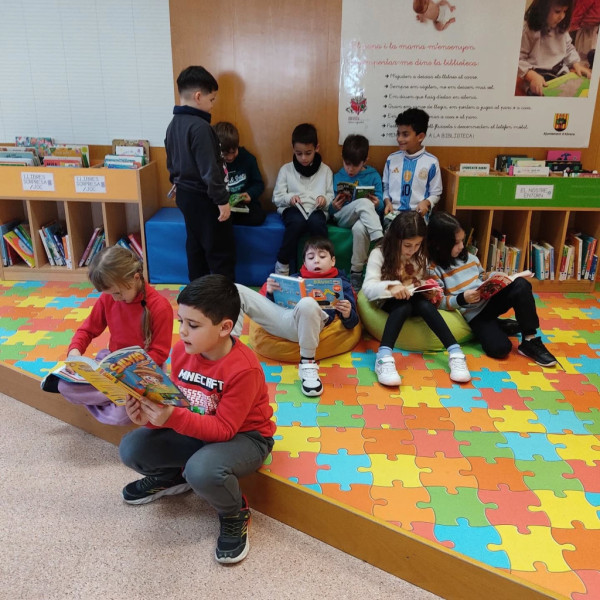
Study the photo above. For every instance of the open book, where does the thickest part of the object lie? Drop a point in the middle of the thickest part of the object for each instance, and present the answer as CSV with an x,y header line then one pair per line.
x,y
327,291
353,191
429,286
497,281
236,202
129,371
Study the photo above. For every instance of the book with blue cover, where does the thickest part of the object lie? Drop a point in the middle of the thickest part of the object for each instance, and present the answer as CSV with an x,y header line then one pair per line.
x,y
327,291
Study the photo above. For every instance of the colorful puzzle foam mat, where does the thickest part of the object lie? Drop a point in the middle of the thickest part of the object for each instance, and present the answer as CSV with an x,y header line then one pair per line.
x,y
504,470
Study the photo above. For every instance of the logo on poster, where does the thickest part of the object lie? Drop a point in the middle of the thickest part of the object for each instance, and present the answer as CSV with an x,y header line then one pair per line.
x,y
561,120
358,105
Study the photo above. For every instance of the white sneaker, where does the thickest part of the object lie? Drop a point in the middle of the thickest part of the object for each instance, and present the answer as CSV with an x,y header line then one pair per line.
x,y
281,269
458,368
385,369
309,377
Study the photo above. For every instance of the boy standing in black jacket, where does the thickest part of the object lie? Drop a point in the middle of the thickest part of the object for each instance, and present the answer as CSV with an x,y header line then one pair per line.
x,y
196,168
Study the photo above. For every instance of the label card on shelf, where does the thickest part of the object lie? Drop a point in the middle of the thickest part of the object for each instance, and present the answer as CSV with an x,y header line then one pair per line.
x,y
474,169
90,184
37,182
534,192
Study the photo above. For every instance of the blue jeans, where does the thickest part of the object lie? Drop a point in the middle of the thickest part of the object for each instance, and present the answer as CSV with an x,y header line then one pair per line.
x,y
212,469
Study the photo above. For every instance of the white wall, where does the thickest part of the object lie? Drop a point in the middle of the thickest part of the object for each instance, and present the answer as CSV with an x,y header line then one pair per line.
x,y
85,71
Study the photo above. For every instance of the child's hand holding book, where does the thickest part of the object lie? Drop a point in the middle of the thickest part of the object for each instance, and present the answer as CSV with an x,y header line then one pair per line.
x,y
344,308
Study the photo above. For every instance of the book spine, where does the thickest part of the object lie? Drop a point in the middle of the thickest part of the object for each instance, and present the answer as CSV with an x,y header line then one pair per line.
x,y
95,248
591,250
22,233
88,248
136,245
46,249
67,251
593,268
52,246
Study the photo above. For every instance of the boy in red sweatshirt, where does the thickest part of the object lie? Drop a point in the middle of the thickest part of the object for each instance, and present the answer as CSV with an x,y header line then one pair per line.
x,y
226,434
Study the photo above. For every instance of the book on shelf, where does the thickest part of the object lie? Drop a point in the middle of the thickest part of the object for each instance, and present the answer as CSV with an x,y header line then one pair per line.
x,y
89,246
98,245
563,155
589,246
7,251
22,230
549,258
560,166
135,240
122,147
20,247
352,191
27,159
52,238
327,291
129,371
62,161
115,161
41,144
575,240
71,151
29,150
498,281
504,161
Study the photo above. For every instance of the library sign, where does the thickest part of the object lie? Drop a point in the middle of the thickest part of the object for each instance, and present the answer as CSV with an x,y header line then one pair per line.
x,y
462,68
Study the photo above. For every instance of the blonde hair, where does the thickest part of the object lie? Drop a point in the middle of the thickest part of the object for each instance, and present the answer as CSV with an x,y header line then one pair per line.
x,y
420,6
117,266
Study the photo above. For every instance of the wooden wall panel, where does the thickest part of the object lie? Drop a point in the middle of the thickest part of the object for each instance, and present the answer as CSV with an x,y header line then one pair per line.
x,y
277,64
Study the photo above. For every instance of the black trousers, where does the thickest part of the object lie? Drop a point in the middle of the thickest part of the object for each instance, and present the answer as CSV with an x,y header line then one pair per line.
x,y
210,245
417,306
295,227
485,326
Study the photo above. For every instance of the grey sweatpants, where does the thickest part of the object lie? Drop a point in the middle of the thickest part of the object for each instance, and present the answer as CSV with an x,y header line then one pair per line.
x,y
302,324
212,469
362,218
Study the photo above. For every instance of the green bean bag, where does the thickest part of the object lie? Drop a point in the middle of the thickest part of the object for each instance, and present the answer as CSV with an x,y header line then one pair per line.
x,y
415,334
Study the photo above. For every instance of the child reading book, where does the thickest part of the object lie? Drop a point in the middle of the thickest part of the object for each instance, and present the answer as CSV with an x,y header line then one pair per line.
x,y
228,432
135,314
304,322
130,371
393,268
460,274
353,210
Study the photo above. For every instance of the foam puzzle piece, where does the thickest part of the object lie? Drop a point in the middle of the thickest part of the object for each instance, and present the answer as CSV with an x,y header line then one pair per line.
x,y
390,442
493,378
358,496
488,445
513,507
302,468
585,474
445,472
571,447
536,546
399,501
345,469
384,471
565,421
334,438
295,439
492,476
586,542
427,443
525,446
566,584
340,415
448,507
519,421
540,474
474,542
461,397
579,509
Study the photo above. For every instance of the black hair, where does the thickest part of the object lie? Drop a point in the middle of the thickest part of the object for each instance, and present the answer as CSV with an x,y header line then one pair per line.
x,y
416,118
441,238
355,149
228,135
305,133
215,296
318,243
196,78
536,16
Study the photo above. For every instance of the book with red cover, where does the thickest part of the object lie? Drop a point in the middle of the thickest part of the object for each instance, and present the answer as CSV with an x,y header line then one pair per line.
x,y
135,240
498,281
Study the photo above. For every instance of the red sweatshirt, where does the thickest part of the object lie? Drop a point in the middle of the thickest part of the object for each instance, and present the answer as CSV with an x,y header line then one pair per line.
x,y
231,392
124,322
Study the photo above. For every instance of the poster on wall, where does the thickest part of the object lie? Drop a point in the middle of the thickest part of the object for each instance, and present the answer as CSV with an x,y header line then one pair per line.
x,y
487,74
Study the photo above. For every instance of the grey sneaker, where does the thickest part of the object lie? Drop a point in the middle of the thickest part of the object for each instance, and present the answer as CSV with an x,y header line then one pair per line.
x,y
356,279
281,269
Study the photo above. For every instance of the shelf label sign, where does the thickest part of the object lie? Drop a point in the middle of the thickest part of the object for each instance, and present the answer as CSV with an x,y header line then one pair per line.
x,y
534,192
37,182
90,184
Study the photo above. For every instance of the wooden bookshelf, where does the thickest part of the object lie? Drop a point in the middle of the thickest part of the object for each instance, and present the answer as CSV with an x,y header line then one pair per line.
x,y
127,200
489,202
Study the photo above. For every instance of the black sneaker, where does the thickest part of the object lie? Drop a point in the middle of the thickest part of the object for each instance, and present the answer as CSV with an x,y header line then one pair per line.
x,y
50,383
149,488
535,349
233,543
510,327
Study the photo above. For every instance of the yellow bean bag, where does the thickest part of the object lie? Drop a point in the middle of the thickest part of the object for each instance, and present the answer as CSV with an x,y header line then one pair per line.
x,y
415,334
334,339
